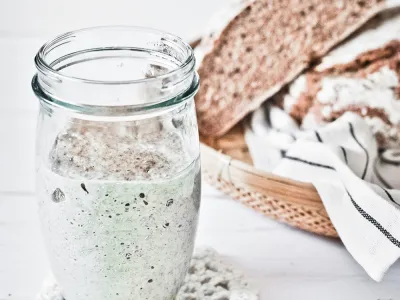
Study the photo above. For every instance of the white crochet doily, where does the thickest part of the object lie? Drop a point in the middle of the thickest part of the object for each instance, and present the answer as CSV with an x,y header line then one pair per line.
x,y
209,278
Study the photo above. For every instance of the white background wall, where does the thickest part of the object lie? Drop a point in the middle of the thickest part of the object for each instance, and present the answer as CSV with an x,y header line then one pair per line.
x,y
44,18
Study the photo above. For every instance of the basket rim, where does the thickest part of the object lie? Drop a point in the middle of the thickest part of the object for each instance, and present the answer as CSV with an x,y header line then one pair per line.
x,y
238,172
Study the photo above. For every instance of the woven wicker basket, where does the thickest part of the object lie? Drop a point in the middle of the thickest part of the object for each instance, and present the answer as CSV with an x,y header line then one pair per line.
x,y
227,165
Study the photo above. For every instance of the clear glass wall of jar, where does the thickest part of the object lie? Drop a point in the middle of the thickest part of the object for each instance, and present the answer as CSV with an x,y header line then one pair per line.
x,y
118,173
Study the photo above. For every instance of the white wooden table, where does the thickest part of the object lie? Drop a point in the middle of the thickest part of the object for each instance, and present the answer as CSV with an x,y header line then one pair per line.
x,y
284,263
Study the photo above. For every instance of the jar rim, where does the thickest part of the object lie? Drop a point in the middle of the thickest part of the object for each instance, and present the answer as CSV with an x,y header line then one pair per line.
x,y
47,69
176,83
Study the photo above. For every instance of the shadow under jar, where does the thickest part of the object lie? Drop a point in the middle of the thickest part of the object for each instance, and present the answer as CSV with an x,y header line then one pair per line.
x,y
118,171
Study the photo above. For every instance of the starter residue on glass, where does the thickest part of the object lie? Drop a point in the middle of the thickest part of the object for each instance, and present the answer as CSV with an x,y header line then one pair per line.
x,y
119,209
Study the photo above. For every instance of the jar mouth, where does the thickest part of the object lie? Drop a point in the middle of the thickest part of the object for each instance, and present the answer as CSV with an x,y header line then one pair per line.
x,y
44,66
114,66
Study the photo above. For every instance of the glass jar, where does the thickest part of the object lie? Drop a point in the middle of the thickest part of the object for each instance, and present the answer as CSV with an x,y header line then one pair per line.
x,y
118,173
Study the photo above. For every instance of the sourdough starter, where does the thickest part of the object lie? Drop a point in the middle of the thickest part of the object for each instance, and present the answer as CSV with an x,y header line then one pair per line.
x,y
119,212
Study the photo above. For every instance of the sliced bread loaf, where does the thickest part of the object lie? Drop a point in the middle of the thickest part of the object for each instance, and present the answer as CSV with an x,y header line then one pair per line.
x,y
265,45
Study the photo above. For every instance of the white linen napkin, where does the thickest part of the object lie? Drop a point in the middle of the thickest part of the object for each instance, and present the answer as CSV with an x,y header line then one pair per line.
x,y
355,182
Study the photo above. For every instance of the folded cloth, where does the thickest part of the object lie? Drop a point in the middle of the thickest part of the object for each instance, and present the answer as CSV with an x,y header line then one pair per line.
x,y
355,181
209,277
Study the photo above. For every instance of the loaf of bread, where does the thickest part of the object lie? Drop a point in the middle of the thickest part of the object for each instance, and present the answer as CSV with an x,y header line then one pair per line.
x,y
361,75
259,46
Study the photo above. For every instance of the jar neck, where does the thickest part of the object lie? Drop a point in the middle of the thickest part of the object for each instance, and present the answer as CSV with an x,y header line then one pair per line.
x,y
115,71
